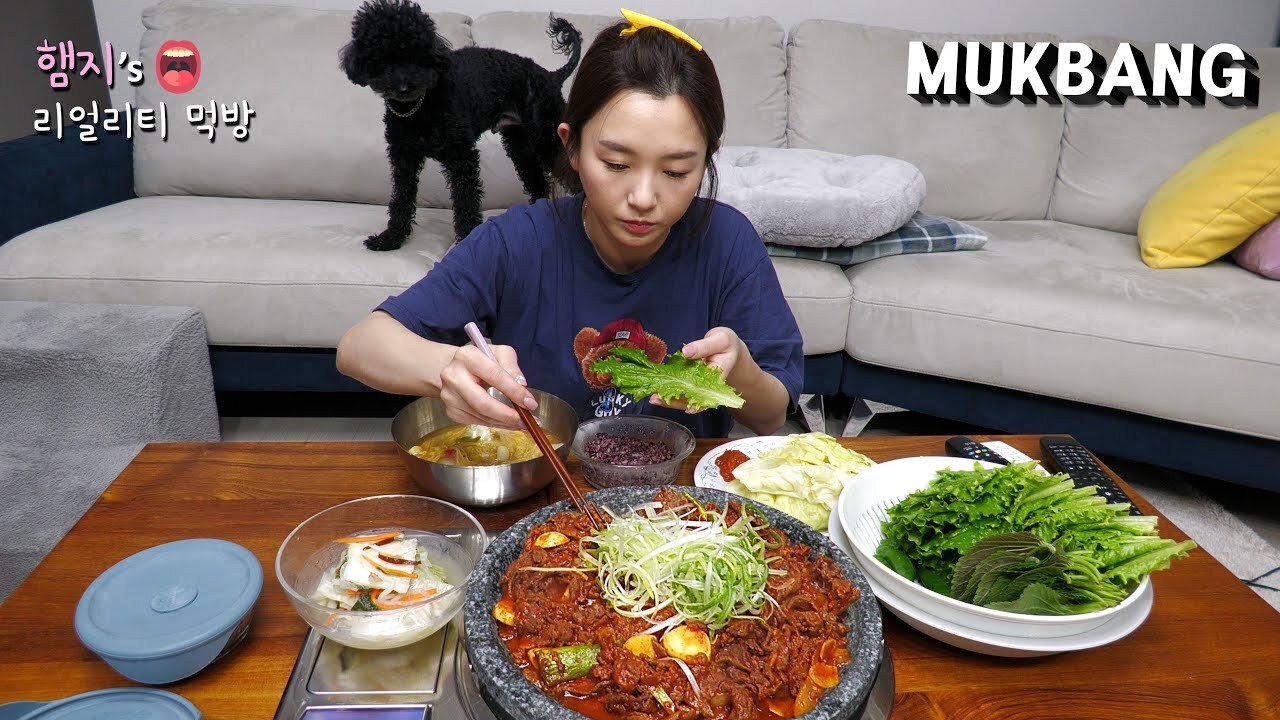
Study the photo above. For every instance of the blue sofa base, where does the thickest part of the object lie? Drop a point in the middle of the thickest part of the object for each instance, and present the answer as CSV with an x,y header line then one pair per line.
x,y
1226,456
44,180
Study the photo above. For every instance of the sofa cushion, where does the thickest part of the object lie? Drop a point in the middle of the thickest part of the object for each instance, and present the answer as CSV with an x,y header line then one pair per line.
x,y
274,273
1216,201
818,294
286,273
921,234
849,95
1115,156
748,53
1261,252
1071,312
818,199
314,136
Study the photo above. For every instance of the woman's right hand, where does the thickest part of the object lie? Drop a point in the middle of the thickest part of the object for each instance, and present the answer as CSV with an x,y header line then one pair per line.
x,y
465,383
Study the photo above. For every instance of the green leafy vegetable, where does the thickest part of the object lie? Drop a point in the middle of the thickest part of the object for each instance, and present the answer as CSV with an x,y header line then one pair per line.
x,y
1013,539
678,378
1019,572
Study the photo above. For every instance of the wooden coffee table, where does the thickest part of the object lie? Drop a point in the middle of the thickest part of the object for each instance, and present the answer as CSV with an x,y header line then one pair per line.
x,y
1208,650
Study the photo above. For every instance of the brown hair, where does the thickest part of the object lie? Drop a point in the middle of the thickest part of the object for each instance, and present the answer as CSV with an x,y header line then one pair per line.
x,y
654,62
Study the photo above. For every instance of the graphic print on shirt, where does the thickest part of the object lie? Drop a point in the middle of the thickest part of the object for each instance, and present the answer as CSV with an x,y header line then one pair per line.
x,y
590,345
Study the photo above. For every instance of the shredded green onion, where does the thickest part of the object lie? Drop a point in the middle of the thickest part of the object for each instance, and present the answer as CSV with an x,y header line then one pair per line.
x,y
695,563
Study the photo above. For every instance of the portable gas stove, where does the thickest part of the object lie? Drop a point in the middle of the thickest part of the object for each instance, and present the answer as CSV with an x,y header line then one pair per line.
x,y
429,680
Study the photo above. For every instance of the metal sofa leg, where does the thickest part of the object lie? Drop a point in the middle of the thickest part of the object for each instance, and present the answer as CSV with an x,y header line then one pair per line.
x,y
860,414
813,413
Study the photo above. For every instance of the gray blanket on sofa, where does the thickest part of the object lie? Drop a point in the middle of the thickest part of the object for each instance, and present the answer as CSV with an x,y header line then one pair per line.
x,y
82,388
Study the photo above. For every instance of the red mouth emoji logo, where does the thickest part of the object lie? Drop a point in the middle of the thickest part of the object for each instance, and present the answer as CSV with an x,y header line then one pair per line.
x,y
178,66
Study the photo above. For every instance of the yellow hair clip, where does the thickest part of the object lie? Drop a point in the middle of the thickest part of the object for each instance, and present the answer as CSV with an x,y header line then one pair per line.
x,y
638,21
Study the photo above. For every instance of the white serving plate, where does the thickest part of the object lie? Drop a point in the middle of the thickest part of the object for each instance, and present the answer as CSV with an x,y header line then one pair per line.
x,y
707,475
862,507
965,638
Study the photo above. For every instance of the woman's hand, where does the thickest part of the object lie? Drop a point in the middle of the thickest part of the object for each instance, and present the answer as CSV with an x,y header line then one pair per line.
x,y
722,349
465,383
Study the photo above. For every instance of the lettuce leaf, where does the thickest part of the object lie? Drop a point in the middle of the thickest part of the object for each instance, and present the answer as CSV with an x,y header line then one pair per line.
x,y
678,378
1013,539
933,527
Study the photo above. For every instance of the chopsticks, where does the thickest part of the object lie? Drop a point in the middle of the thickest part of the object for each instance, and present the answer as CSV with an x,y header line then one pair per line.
x,y
591,511
544,444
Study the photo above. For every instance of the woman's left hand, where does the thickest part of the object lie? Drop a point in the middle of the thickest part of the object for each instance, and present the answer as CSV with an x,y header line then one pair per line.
x,y
722,349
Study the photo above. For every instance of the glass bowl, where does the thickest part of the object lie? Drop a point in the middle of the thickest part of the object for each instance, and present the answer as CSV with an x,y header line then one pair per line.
x,y
606,475
449,536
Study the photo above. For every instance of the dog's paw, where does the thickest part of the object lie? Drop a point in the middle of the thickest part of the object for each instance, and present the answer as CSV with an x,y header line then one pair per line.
x,y
383,241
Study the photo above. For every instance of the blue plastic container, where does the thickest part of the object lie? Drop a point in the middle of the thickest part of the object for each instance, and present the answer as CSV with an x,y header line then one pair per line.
x,y
115,704
167,612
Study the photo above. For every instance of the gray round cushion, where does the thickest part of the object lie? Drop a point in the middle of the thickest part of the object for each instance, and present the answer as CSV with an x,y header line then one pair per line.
x,y
819,199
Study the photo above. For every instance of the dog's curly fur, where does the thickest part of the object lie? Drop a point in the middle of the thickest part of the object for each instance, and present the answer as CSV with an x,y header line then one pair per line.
x,y
439,101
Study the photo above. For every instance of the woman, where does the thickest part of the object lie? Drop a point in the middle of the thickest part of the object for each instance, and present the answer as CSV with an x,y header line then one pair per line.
x,y
633,258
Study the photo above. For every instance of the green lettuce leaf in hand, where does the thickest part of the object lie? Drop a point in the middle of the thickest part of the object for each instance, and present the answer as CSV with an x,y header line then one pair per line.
x,y
678,378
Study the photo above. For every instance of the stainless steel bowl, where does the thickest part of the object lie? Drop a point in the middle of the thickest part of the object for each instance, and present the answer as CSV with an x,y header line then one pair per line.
x,y
488,485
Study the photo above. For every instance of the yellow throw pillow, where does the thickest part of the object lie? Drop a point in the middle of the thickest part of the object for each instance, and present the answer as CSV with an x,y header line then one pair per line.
x,y
1216,201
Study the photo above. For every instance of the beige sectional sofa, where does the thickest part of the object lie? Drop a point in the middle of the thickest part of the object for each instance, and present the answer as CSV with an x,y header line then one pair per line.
x,y
1055,326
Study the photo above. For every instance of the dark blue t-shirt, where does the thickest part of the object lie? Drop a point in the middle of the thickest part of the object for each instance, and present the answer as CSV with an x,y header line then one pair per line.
x,y
531,279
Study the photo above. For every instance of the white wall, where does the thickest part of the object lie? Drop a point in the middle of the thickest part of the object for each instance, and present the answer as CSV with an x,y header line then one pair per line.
x,y
1249,23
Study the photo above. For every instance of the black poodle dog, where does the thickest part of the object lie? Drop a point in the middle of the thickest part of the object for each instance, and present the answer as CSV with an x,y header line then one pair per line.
x,y
439,101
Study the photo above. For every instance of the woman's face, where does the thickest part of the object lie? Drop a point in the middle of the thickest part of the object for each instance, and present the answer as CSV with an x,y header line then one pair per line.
x,y
641,162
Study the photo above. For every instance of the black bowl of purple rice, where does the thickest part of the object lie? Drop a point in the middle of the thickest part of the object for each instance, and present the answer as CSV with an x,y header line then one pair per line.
x,y
631,450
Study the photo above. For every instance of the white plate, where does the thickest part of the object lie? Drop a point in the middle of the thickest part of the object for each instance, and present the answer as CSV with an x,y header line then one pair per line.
x,y
990,643
707,475
862,508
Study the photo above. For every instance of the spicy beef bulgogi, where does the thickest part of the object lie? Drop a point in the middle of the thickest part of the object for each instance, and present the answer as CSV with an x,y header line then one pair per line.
x,y
569,639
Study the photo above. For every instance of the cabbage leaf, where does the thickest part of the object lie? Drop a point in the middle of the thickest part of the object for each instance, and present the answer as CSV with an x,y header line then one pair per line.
x,y
803,476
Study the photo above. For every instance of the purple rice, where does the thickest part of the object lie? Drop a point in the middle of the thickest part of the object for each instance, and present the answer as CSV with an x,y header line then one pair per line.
x,y
623,450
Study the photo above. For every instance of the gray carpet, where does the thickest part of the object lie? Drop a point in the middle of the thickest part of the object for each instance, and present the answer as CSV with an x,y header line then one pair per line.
x,y
85,386
1245,553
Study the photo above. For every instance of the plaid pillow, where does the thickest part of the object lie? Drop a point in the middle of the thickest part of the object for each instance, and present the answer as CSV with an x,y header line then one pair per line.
x,y
922,233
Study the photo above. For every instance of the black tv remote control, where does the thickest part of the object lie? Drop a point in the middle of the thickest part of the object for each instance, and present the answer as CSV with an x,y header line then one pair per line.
x,y
966,447
1066,455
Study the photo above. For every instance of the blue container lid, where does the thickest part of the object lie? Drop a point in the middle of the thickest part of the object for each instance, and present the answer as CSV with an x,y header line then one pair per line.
x,y
118,704
168,599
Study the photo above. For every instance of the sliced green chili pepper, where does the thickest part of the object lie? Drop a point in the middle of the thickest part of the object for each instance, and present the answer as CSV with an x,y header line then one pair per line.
x,y
556,665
